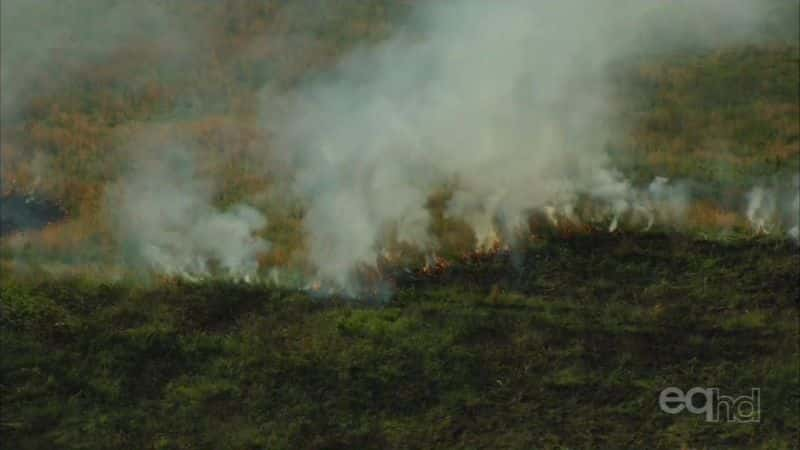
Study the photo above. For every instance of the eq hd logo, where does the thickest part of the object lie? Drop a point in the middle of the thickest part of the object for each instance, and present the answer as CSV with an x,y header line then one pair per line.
x,y
709,402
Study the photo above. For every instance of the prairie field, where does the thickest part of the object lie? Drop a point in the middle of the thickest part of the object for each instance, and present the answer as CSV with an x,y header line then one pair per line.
x,y
397,223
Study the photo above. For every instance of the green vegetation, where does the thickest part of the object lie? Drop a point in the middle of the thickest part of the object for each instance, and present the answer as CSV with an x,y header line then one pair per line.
x,y
725,118
567,348
570,352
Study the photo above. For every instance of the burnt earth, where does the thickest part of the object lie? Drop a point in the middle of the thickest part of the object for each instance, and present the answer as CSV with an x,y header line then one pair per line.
x,y
21,213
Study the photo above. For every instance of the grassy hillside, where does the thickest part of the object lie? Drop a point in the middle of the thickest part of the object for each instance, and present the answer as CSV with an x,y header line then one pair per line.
x,y
726,117
725,120
568,350
567,345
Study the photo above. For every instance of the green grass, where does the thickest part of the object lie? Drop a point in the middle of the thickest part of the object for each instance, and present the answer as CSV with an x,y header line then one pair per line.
x,y
568,349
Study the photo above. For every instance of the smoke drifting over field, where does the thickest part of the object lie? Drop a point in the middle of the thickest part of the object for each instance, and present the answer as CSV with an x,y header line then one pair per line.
x,y
166,214
509,102
44,41
507,106
775,208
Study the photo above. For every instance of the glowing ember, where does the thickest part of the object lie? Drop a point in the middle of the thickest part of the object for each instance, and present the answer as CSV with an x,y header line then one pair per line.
x,y
435,265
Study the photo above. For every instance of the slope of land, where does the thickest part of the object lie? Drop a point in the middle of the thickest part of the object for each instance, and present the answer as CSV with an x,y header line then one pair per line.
x,y
567,348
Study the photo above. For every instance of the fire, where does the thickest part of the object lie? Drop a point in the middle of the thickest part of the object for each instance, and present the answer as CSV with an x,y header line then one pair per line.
x,y
486,251
435,265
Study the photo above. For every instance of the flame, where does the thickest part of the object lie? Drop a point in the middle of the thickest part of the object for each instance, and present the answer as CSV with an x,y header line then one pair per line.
x,y
490,242
435,265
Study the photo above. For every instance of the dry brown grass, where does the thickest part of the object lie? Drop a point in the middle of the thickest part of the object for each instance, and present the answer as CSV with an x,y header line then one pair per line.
x,y
80,137
707,215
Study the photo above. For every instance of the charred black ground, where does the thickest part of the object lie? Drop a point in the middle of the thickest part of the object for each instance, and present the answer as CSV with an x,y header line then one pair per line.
x,y
25,212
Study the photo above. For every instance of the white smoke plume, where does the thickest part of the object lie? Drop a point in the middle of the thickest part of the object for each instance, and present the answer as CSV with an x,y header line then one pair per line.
x,y
166,216
775,208
512,99
507,104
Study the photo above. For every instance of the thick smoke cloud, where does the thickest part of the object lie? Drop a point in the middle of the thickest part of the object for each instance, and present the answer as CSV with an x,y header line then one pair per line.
x,y
508,101
507,105
164,210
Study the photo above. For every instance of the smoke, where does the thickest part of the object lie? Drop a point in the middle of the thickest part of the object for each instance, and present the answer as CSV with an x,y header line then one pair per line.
x,y
46,42
165,213
508,107
775,208
511,99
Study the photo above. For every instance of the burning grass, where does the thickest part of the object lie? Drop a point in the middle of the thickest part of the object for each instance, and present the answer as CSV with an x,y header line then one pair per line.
x,y
87,246
559,333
